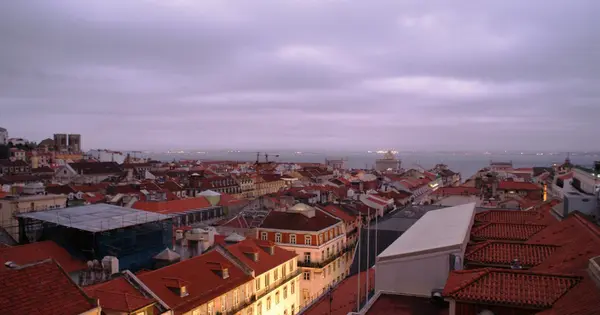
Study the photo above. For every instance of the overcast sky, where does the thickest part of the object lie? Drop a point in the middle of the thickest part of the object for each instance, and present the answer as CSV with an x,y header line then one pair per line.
x,y
305,74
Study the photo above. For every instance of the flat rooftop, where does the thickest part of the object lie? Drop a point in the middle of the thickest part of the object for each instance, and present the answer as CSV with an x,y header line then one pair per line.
x,y
437,229
96,218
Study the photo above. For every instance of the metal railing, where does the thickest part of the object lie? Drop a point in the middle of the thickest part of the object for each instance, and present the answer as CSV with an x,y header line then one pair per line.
x,y
276,284
326,262
240,307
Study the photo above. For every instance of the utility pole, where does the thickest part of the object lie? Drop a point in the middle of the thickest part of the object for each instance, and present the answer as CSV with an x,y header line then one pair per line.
x,y
368,254
330,298
358,253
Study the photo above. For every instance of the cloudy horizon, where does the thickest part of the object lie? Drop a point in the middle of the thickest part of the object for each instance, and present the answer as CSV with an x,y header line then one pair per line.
x,y
312,74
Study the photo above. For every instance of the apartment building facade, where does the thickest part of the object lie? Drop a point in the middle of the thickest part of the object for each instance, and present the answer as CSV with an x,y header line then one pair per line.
x,y
319,241
249,277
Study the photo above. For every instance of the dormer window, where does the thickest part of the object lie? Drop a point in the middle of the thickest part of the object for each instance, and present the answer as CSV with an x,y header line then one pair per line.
x,y
263,236
278,237
183,291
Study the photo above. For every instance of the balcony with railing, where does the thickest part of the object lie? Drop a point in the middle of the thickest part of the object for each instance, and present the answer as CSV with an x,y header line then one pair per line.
x,y
277,283
322,264
239,307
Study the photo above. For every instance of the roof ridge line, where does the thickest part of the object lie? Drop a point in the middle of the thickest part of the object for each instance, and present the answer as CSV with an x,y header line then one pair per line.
x,y
588,225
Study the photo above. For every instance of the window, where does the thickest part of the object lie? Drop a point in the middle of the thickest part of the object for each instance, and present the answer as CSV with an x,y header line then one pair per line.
x,y
328,253
329,269
278,237
307,257
307,239
263,236
257,283
267,280
223,303
292,238
194,312
292,287
268,303
285,292
275,274
330,234
210,308
283,270
339,262
259,308
333,267
307,275
322,255
291,265
277,297
235,297
326,238
320,238
292,309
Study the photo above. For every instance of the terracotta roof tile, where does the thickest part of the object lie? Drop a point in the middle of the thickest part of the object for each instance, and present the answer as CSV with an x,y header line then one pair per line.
x,y
506,231
41,288
509,216
344,296
34,252
173,206
509,287
335,210
579,240
202,283
298,221
265,261
457,191
118,295
494,253
406,305
510,185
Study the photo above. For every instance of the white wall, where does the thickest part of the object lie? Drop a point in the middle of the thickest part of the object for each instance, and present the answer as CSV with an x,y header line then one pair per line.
x,y
415,275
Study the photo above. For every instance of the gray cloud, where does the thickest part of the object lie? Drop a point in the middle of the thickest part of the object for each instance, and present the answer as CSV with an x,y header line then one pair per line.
x,y
152,74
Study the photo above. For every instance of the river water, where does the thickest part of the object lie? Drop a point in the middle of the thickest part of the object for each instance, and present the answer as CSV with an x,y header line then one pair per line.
x,y
466,164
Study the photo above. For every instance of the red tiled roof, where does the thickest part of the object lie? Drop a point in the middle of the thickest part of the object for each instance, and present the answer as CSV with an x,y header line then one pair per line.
x,y
387,304
172,186
509,216
508,287
339,213
377,200
506,231
118,295
265,261
173,206
202,283
510,185
34,252
229,200
298,222
579,240
457,191
494,253
41,288
344,296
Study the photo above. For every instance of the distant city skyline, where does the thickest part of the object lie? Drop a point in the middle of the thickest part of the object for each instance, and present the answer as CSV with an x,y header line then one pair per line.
x,y
303,75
